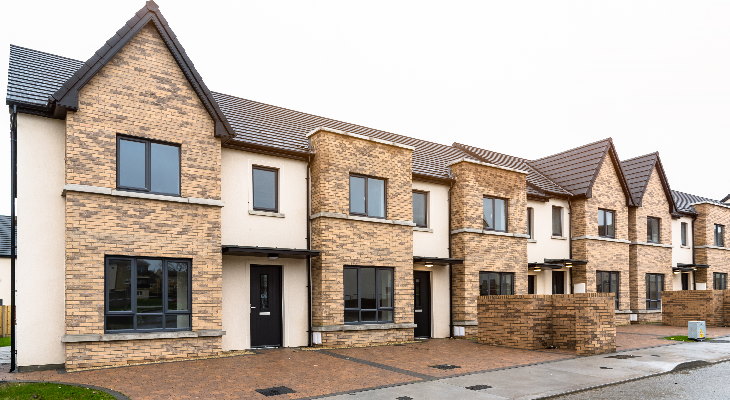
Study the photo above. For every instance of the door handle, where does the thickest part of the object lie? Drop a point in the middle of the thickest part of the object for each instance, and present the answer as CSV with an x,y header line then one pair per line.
x,y
253,307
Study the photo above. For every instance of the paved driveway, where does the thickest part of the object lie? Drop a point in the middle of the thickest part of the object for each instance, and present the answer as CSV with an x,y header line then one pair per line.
x,y
315,373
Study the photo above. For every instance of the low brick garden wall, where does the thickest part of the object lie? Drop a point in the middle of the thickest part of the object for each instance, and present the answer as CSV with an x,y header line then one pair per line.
x,y
583,322
681,306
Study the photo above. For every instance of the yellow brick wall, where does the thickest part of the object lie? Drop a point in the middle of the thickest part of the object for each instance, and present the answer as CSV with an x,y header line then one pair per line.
x,y
704,235
350,242
140,92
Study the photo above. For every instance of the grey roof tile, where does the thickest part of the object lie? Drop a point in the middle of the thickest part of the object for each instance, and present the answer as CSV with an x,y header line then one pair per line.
x,y
684,201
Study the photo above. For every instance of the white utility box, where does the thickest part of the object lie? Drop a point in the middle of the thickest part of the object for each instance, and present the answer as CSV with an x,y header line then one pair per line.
x,y
697,330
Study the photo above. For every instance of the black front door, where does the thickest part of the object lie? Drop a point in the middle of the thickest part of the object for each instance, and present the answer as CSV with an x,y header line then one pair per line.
x,y
265,306
422,303
558,282
685,281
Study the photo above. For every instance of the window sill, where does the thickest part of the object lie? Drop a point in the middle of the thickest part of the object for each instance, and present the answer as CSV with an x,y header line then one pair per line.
x,y
648,311
601,238
712,247
138,195
266,213
422,229
359,218
361,327
495,233
559,237
652,244
684,247
111,337
531,241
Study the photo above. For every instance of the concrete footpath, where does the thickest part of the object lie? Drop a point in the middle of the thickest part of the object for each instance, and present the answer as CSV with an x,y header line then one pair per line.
x,y
557,377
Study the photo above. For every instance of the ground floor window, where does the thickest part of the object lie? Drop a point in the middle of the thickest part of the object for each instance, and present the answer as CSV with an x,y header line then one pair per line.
x,y
719,281
654,287
368,294
496,283
607,282
147,294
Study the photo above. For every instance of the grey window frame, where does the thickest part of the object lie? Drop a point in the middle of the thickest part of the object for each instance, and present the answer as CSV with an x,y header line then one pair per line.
x,y
658,232
719,234
723,280
531,222
133,287
683,233
276,188
560,220
148,165
618,284
506,214
501,280
377,308
426,207
613,225
367,208
654,303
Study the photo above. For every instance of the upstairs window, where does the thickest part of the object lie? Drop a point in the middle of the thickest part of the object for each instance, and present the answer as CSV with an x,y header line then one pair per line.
x,y
557,221
495,214
606,223
683,233
265,189
530,222
147,166
496,283
367,196
420,208
719,235
653,226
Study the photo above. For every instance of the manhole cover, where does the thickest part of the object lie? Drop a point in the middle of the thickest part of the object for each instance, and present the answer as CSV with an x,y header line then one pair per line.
x,y
478,387
404,398
623,356
444,366
275,391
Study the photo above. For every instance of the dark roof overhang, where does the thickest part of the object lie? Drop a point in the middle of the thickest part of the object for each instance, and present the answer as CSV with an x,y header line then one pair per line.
x,y
273,252
694,266
538,266
565,261
67,97
437,260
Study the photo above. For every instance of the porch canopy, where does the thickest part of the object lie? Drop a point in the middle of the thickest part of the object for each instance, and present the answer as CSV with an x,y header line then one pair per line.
x,y
688,267
431,261
565,262
271,252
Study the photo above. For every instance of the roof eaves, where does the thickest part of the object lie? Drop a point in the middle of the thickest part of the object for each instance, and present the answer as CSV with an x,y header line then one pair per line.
x,y
358,136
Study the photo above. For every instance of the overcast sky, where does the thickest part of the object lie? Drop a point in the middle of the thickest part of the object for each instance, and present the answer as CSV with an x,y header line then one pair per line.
x,y
526,78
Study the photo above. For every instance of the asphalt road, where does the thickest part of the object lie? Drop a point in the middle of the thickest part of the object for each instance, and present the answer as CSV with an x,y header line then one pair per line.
x,y
706,383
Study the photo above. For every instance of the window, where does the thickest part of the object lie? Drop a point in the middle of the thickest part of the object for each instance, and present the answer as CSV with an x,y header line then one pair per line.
x,y
496,283
265,189
653,226
367,196
368,294
606,223
719,281
683,233
557,221
607,282
719,235
420,208
147,294
654,287
530,222
495,214
147,166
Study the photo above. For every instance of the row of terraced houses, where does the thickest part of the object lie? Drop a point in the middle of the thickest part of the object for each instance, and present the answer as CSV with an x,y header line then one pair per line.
x,y
159,220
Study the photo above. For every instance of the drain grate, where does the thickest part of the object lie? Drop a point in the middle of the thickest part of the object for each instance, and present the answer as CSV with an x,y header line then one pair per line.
x,y
623,356
275,391
478,387
404,398
605,367
444,366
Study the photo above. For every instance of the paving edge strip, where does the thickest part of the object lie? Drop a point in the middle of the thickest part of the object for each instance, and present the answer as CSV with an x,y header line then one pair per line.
x,y
679,367
117,395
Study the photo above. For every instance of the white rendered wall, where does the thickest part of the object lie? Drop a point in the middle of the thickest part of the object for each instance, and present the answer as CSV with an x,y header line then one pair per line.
x,y
543,244
681,254
40,266
5,280
433,242
237,301
241,228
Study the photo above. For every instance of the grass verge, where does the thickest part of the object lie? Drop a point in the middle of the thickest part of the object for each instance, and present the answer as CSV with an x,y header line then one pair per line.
x,y
681,338
4,341
50,391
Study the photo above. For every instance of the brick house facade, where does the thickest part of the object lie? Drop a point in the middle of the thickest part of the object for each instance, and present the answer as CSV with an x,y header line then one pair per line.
x,y
309,266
